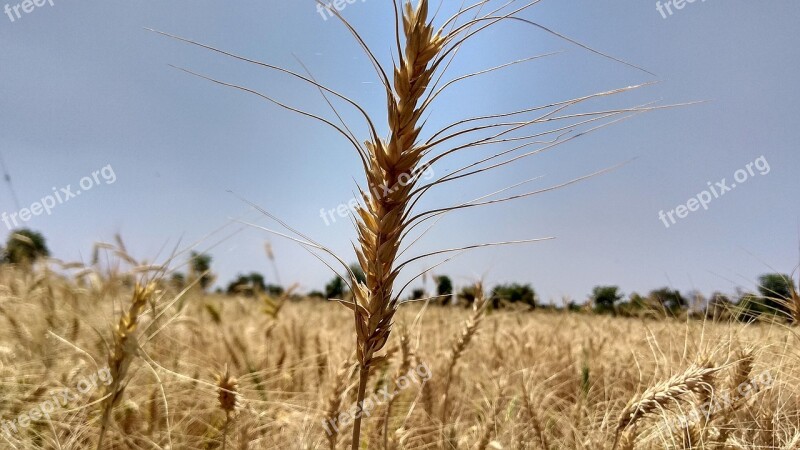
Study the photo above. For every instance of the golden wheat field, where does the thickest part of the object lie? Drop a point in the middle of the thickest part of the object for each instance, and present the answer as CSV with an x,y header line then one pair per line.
x,y
451,378
260,115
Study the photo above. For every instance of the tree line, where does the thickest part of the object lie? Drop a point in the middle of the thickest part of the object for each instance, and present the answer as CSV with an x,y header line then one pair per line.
x,y
776,293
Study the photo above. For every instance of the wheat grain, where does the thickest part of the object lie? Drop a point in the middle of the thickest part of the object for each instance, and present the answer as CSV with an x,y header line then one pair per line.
x,y
664,395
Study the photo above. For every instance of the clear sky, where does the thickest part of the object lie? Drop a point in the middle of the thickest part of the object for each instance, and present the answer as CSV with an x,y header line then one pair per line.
x,y
84,86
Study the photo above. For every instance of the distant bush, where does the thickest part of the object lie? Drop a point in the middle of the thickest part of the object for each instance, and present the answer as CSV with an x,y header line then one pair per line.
x,y
25,246
605,299
513,293
444,289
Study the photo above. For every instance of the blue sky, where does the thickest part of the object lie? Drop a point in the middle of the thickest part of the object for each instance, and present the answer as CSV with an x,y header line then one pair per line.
x,y
84,86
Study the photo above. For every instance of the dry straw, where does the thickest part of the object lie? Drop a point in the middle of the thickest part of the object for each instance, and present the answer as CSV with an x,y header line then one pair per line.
x,y
392,164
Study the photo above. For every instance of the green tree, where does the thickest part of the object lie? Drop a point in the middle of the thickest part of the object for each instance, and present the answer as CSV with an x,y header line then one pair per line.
x,y
336,288
358,272
670,299
25,246
274,290
468,295
605,299
776,292
719,306
257,281
250,284
444,289
201,267
178,281
513,293
750,307
633,307
240,285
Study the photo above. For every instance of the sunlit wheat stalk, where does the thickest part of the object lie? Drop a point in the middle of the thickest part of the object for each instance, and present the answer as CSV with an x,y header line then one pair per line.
x,y
126,347
393,164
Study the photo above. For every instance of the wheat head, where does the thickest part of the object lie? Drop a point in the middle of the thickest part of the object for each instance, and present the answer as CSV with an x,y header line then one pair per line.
x,y
695,379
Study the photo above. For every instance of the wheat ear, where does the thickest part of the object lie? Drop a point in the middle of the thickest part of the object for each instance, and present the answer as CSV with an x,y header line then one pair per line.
x,y
695,379
383,217
126,346
469,330
228,397
393,165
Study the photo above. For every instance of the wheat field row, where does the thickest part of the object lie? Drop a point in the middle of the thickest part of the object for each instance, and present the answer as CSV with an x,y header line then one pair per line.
x,y
471,379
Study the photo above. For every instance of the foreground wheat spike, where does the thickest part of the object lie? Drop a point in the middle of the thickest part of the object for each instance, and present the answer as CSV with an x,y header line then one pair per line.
x,y
383,216
228,397
662,396
126,346
393,164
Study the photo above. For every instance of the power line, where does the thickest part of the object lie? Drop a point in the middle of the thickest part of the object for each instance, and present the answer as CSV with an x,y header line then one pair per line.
x,y
8,180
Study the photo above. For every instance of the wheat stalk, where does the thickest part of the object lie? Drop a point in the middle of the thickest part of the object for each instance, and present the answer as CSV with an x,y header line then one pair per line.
x,y
383,217
334,407
228,397
469,330
491,423
695,379
406,354
126,346
392,165
534,417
